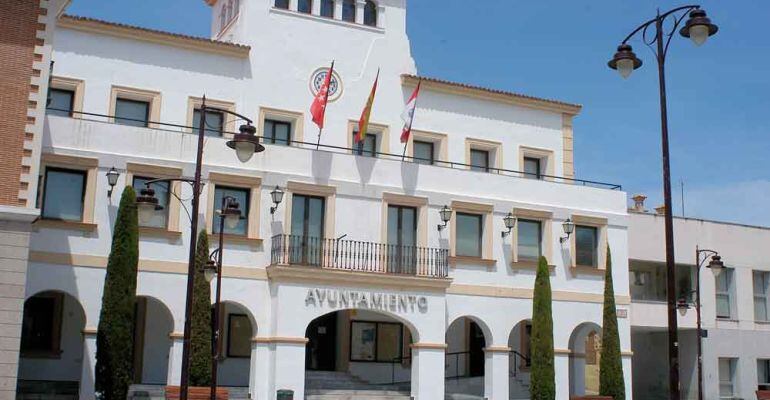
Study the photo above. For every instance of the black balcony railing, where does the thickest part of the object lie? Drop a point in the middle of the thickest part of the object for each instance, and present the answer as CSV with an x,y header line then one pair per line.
x,y
353,255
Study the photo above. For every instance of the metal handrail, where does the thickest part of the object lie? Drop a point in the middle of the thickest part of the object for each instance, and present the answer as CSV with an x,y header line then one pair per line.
x,y
390,156
516,356
355,255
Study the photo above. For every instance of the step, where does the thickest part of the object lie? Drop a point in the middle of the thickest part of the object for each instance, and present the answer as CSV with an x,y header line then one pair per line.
x,y
356,395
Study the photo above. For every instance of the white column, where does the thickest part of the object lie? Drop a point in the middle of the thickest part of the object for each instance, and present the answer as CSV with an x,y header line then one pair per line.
x,y
293,5
496,366
316,10
337,9
561,374
175,360
360,11
87,376
428,372
260,378
289,368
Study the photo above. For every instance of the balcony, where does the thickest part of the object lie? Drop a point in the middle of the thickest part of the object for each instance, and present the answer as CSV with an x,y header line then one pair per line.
x,y
358,256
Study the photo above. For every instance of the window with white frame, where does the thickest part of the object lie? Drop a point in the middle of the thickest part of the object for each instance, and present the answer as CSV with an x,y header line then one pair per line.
x,y
763,374
532,168
727,367
424,152
132,112
724,283
470,230
529,240
63,194
761,279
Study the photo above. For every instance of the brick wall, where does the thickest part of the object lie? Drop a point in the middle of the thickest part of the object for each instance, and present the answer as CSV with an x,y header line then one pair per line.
x,y
18,33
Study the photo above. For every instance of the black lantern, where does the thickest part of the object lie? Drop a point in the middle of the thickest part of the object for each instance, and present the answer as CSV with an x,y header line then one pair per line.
x,y
445,214
568,226
246,143
698,27
231,213
682,305
716,265
210,270
112,180
625,61
277,197
510,222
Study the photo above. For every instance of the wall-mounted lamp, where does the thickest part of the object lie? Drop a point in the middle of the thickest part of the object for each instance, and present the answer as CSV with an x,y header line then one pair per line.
x,y
568,226
510,222
277,196
112,179
682,306
446,215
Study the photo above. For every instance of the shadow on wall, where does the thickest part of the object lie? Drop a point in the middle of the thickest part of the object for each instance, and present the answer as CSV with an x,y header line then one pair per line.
x,y
409,174
322,166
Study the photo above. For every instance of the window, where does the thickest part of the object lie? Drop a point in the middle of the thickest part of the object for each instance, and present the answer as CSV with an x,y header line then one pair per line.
x,y
162,192
724,283
349,10
402,238
529,247
761,279
277,132
763,374
242,197
423,152
368,147
132,112
727,378
586,245
60,102
305,6
327,8
64,194
282,4
41,324
370,13
307,229
375,341
469,235
479,160
238,336
214,122
532,168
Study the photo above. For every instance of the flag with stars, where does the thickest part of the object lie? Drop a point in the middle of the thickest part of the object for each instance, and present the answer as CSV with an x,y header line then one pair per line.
x,y
318,108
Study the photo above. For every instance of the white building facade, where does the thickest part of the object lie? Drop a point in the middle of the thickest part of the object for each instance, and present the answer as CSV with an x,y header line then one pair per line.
x,y
349,280
734,307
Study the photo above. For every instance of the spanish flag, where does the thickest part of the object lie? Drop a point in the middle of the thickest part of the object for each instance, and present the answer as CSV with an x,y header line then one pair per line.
x,y
363,123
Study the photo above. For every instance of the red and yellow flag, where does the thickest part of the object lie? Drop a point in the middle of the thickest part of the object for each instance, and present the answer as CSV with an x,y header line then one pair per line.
x,y
363,123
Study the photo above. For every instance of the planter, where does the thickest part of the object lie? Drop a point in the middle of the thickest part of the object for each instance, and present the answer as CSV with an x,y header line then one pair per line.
x,y
763,394
196,393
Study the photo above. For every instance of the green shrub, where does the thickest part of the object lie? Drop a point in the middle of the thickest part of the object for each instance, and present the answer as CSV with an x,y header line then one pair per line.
x,y
200,336
542,385
611,381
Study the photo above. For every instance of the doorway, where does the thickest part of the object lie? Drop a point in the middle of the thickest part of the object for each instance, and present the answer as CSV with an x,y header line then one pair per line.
x,y
307,230
476,344
321,351
402,239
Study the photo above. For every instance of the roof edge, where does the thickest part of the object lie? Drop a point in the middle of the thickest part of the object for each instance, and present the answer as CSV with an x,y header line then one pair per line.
x,y
92,25
503,96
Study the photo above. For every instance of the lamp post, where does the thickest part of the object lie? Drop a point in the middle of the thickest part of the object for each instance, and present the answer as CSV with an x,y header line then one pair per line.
x,y
698,28
716,266
245,143
229,215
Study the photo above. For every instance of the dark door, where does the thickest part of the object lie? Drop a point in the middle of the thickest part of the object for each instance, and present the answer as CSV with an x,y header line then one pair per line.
x,y
402,239
321,351
307,227
476,344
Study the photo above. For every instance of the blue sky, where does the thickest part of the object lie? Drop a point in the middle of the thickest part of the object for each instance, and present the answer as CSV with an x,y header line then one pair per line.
x,y
719,94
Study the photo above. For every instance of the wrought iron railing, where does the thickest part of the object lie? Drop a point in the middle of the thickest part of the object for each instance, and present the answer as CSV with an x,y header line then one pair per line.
x,y
354,255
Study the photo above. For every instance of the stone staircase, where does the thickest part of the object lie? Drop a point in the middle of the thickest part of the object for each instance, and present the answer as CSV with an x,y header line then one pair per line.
x,y
518,387
46,390
333,385
157,392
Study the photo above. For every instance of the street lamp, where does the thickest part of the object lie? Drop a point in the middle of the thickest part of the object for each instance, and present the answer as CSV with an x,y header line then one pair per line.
x,y
445,214
112,180
716,266
245,144
277,196
510,222
697,28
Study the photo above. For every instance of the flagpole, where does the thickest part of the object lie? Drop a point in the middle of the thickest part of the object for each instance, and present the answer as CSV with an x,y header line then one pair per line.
x,y
318,143
416,100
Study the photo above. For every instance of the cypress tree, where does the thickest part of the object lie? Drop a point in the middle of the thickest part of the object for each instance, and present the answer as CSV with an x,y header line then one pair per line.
x,y
200,336
542,385
611,381
115,334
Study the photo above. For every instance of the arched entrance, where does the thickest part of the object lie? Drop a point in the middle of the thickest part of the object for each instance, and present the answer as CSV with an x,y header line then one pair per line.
x,y
585,347
238,328
520,360
153,325
358,350
466,339
51,351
